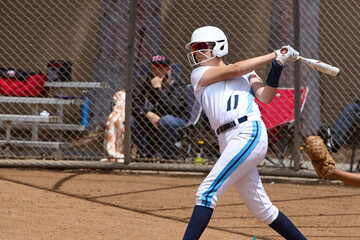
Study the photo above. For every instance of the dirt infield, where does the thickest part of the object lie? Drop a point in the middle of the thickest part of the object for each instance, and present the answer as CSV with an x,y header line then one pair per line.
x,y
91,205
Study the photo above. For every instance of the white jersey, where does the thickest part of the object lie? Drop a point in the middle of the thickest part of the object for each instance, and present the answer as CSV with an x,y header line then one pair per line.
x,y
243,141
242,147
235,100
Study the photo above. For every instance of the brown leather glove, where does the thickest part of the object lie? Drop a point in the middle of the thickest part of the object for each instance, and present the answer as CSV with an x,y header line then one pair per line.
x,y
320,157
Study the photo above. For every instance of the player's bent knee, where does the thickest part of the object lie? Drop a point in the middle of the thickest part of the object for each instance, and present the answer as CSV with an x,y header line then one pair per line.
x,y
267,216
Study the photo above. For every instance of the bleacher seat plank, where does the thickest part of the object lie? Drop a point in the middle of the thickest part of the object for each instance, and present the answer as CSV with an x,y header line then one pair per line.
x,y
28,118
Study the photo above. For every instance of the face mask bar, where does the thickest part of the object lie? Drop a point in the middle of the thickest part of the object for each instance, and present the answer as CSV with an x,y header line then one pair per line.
x,y
192,60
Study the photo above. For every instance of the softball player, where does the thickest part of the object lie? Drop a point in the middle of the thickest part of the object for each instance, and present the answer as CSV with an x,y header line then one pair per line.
x,y
226,93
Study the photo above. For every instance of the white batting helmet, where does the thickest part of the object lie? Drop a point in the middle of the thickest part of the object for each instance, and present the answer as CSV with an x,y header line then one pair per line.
x,y
209,34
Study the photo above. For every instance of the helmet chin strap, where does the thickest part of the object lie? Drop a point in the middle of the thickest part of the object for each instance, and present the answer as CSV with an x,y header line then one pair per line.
x,y
192,58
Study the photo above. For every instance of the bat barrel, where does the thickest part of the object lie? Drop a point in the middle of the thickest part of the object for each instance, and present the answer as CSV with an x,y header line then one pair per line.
x,y
320,66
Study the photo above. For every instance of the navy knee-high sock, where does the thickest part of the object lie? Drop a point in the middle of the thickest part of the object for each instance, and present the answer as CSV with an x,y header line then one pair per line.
x,y
198,222
286,228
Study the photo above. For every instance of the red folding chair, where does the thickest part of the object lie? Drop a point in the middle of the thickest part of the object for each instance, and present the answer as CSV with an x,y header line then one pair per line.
x,y
279,117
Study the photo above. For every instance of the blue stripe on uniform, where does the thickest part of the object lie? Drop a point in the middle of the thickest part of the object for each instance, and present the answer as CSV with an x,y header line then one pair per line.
x,y
232,165
250,102
236,101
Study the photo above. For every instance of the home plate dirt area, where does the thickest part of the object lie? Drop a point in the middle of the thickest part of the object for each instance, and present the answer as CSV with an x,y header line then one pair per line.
x,y
47,204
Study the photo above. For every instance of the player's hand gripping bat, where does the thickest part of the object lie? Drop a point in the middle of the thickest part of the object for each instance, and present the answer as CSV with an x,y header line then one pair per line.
x,y
320,66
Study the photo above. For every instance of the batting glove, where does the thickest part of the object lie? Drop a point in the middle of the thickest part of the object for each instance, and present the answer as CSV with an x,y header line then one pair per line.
x,y
286,53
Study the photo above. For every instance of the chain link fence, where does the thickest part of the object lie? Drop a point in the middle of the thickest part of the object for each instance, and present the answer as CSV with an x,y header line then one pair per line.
x,y
81,48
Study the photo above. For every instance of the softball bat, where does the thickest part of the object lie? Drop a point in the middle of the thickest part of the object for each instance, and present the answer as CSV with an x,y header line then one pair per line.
x,y
321,66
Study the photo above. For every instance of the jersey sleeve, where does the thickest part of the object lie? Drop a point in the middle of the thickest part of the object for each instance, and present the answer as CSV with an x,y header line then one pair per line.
x,y
195,78
253,73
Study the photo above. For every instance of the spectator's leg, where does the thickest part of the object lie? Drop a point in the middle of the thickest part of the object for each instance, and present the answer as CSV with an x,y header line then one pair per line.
x,y
346,124
168,133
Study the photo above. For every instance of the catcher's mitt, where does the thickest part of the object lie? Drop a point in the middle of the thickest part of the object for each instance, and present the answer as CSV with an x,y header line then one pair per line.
x,y
321,160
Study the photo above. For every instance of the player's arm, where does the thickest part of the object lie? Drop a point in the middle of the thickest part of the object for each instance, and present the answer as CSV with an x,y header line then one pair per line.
x,y
261,91
221,73
266,92
347,177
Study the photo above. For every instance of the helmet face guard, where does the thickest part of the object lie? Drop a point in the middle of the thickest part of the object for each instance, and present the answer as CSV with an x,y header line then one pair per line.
x,y
192,59
200,49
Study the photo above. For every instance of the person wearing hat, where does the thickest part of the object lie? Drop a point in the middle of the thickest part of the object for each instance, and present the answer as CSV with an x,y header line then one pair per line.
x,y
159,110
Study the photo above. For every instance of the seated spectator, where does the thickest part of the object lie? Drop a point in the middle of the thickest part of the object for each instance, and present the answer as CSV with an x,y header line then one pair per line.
x,y
346,126
159,110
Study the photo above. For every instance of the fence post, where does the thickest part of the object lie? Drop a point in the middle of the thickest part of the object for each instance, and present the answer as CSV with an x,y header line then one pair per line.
x,y
297,83
129,76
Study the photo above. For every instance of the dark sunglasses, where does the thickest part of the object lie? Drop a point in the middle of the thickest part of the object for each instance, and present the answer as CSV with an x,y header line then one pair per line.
x,y
200,46
157,65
